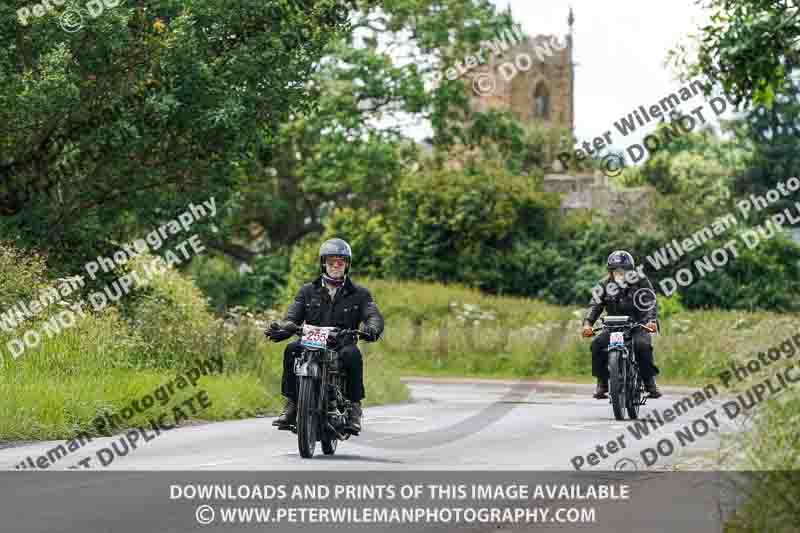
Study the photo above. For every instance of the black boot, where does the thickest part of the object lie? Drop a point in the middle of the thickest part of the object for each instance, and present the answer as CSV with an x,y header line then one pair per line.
x,y
288,417
354,424
651,388
602,389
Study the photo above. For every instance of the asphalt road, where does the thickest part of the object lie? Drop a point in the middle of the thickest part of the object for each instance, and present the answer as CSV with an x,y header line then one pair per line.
x,y
448,424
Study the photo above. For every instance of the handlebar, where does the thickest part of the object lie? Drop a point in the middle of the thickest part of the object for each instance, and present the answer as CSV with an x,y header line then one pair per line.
x,y
357,332
294,329
631,327
336,332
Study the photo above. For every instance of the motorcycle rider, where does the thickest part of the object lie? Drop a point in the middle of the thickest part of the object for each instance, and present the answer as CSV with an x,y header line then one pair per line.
x,y
330,300
626,291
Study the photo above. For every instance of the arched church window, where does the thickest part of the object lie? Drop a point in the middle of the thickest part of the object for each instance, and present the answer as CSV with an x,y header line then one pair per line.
x,y
541,101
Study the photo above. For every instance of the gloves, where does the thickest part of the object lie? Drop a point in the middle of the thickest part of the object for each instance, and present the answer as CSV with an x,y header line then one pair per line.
x,y
277,334
587,331
336,337
369,334
291,327
280,335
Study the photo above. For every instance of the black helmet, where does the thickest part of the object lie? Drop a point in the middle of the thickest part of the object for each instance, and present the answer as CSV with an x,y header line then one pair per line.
x,y
620,259
335,247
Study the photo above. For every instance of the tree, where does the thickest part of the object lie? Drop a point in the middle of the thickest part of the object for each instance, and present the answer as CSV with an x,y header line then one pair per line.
x,y
461,226
694,173
746,47
148,107
774,135
526,149
351,150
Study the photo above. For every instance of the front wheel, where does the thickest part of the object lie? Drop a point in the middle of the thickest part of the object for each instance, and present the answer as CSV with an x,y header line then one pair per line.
x,y
329,440
307,418
617,383
634,392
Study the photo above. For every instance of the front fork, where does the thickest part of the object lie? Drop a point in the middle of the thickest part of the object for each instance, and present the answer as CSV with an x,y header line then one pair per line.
x,y
327,405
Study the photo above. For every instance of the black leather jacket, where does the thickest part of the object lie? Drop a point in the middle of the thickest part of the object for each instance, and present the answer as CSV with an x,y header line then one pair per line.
x,y
351,306
621,302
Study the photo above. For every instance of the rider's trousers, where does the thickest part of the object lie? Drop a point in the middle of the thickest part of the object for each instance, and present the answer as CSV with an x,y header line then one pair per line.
x,y
642,345
352,362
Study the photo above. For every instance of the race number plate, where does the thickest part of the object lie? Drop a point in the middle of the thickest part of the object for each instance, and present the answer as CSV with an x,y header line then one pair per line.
x,y
315,337
617,338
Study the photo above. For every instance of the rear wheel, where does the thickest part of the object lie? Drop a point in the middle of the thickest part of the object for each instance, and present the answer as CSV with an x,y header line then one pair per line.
x,y
616,383
307,418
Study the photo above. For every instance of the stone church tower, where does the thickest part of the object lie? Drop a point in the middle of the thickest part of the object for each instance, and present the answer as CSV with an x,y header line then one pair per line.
x,y
533,77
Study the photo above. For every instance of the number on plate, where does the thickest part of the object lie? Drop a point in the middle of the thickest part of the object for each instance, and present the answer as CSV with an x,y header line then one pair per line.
x,y
315,336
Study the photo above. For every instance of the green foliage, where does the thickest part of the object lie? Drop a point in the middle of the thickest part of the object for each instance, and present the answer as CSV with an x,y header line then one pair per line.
x,y
456,226
173,318
536,268
367,235
254,285
669,306
452,330
769,449
766,276
304,266
263,284
351,151
525,149
24,274
745,46
110,358
219,280
694,174
774,135
118,125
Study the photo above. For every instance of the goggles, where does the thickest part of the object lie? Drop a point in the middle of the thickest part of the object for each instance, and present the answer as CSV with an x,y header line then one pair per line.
x,y
335,261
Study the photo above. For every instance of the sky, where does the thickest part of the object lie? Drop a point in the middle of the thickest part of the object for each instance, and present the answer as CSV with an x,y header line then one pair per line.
x,y
620,50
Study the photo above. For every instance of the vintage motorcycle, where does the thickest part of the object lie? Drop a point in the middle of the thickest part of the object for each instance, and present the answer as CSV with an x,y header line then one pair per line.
x,y
322,406
626,389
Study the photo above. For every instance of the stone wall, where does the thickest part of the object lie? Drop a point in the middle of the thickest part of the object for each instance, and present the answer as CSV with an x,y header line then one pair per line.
x,y
596,193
